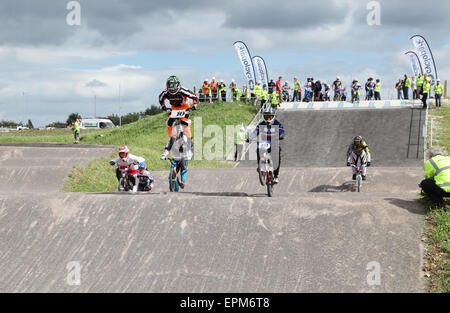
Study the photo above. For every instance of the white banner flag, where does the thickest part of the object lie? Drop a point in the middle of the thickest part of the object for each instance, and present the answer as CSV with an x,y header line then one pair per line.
x,y
247,65
261,70
415,64
425,57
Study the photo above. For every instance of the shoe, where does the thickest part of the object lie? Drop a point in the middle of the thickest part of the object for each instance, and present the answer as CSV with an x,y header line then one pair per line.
x,y
135,188
354,177
181,184
276,180
363,177
443,204
164,155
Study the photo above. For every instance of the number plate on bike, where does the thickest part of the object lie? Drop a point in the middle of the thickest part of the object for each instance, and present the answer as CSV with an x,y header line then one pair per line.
x,y
178,114
123,167
264,146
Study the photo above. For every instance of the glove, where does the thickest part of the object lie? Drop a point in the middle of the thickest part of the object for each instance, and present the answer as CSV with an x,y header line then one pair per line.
x,y
164,108
112,162
247,140
348,163
368,163
194,107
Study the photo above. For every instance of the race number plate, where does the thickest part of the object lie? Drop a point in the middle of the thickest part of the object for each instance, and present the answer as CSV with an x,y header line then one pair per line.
x,y
178,114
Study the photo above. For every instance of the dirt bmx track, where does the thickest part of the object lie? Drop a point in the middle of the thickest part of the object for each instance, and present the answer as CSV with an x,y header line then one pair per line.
x,y
222,234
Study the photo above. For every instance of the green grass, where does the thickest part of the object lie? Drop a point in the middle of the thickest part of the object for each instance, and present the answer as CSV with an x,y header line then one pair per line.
x,y
145,138
439,219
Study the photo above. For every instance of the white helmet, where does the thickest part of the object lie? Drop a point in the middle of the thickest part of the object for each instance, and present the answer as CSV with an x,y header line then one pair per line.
x,y
338,78
214,78
232,80
438,80
221,80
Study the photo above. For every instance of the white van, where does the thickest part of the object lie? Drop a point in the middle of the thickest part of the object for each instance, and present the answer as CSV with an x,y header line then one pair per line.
x,y
96,123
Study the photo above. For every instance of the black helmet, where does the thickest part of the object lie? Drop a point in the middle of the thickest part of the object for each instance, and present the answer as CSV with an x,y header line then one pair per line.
x,y
173,84
357,138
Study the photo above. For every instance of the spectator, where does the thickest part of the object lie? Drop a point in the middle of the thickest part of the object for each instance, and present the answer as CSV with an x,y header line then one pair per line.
x,y
245,96
438,90
76,130
425,91
274,99
297,91
278,87
406,85
366,87
370,85
286,91
317,90
258,92
265,95
337,88
378,90
272,86
308,90
413,88
399,87
343,94
233,88
214,89
223,90
239,143
419,84
325,92
436,185
205,92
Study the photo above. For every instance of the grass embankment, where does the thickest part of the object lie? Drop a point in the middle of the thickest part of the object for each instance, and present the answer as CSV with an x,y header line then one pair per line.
x,y
145,138
437,230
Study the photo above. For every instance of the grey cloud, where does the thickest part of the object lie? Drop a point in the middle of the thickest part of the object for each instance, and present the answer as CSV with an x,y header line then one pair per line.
x,y
96,83
292,15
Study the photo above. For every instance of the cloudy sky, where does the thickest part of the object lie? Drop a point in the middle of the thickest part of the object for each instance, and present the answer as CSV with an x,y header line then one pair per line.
x,y
50,69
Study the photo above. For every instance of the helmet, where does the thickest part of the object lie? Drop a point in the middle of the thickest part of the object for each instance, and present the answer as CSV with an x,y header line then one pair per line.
x,y
338,78
142,165
438,80
123,152
357,138
269,112
173,84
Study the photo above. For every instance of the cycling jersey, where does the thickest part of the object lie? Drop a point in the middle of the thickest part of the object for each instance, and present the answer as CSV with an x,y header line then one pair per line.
x,y
178,100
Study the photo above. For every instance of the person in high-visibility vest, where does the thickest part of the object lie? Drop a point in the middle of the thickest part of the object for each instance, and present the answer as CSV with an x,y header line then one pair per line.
x,y
274,99
223,90
296,96
438,90
436,184
378,90
257,90
233,87
206,91
245,95
214,88
419,84
76,130
425,91
406,85
237,94
239,140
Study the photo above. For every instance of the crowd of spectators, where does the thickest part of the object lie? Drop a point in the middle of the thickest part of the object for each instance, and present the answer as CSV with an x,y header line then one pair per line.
x,y
420,89
311,91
